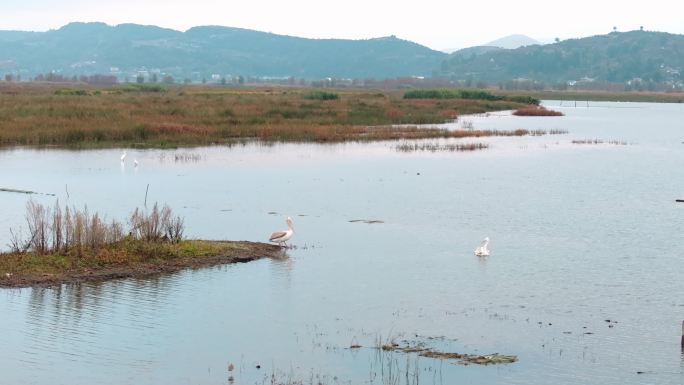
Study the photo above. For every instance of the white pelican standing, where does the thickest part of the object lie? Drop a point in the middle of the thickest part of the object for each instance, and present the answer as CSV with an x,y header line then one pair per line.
x,y
123,157
483,249
135,163
281,236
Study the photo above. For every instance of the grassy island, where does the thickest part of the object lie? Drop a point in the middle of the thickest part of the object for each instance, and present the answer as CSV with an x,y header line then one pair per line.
x,y
71,245
126,259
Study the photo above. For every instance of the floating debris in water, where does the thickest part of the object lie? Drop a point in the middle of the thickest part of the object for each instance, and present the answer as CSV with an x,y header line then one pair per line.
x,y
465,359
367,221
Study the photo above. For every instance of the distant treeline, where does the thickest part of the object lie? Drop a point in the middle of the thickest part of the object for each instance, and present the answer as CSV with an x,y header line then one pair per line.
x,y
467,94
96,80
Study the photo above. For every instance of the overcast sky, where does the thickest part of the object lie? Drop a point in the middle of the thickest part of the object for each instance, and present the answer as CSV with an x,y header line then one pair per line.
x,y
436,24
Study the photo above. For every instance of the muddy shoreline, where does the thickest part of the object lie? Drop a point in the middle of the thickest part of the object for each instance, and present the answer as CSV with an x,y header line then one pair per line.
x,y
233,252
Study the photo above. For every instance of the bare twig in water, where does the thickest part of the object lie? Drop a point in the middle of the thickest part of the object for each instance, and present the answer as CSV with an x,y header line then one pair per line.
x,y
146,190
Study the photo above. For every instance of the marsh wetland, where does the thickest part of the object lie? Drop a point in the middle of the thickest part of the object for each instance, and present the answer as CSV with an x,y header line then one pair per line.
x,y
583,284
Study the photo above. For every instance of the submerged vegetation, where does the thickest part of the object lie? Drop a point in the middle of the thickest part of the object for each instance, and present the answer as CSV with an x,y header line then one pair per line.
x,y
439,147
600,141
150,116
71,245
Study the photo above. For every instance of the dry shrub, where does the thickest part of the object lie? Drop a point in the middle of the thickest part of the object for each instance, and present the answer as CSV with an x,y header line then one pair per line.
x,y
57,230
156,225
38,224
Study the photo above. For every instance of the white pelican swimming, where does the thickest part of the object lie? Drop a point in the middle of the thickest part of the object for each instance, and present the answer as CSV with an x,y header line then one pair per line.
x,y
123,156
483,249
281,236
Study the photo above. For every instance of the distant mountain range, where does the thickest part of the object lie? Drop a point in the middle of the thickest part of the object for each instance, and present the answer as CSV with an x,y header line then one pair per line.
x,y
615,57
130,50
512,42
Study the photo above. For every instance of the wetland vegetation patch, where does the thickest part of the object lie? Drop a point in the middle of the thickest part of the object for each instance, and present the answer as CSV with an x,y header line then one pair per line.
x,y
67,245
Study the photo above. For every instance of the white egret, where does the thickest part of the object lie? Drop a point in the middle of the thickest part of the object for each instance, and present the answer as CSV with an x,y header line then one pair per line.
x,y
483,249
281,236
123,157
135,163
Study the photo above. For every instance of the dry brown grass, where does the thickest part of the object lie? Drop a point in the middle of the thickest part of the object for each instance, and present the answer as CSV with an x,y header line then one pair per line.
x,y
536,111
35,115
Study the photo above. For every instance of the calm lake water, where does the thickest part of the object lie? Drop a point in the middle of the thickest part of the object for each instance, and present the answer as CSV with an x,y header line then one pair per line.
x,y
580,234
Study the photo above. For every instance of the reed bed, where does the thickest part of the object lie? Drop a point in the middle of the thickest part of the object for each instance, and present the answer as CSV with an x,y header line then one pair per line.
x,y
182,157
600,141
191,116
609,96
536,111
440,147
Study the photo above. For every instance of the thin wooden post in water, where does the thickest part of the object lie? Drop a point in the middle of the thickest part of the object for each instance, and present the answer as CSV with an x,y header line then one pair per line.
x,y
682,334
